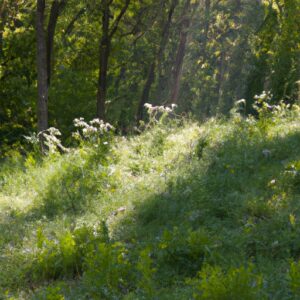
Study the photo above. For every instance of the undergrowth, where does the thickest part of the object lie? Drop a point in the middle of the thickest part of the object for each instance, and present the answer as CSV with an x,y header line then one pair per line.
x,y
178,211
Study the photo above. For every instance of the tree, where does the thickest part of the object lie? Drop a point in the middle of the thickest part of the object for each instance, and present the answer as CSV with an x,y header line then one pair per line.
x,y
42,72
157,60
177,70
108,32
44,55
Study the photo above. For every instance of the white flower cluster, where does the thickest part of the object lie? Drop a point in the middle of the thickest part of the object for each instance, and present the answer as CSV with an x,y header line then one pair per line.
x,y
162,109
262,102
94,128
51,139
264,96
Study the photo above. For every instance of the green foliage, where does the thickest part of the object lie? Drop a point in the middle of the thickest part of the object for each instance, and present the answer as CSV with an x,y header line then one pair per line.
x,y
146,281
236,283
294,279
64,256
201,144
183,250
107,271
50,293
291,178
55,257
174,215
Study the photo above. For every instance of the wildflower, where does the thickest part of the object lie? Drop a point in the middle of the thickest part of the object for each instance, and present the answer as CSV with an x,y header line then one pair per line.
x,y
161,108
96,122
241,101
54,131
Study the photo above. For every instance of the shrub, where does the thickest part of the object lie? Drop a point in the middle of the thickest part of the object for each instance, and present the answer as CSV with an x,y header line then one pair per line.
x,y
236,284
183,250
64,256
107,271
146,283
294,279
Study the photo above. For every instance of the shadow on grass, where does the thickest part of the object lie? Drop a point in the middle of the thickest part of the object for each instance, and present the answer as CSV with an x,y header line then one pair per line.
x,y
228,193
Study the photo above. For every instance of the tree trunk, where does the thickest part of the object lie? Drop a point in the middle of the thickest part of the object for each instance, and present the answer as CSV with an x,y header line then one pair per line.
x,y
42,107
165,34
56,8
146,92
151,73
177,71
220,105
206,27
103,63
2,23
104,52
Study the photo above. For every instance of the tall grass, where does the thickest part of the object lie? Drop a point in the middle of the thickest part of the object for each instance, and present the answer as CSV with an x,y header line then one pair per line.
x,y
180,211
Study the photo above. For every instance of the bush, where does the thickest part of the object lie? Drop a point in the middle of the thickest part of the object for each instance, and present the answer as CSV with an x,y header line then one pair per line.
x,y
107,271
294,279
236,284
64,256
183,250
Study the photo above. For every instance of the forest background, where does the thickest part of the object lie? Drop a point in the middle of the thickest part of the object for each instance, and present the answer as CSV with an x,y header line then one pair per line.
x,y
64,59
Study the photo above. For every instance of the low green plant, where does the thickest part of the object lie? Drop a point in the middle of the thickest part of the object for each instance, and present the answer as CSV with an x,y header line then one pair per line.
x,y
294,279
63,256
107,271
50,293
183,250
201,145
235,284
146,271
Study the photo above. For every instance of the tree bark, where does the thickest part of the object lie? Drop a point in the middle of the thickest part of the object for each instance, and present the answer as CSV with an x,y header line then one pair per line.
x,y
2,23
103,63
42,76
157,62
56,8
207,14
177,71
70,27
146,91
104,52
165,33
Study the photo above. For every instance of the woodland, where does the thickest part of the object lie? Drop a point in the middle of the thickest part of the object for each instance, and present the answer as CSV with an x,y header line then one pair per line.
x,y
149,149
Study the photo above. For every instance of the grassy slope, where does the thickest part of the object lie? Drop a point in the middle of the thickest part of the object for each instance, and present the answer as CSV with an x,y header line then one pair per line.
x,y
227,185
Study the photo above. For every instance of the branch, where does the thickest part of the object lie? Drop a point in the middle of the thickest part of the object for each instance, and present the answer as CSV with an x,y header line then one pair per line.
x,y
73,21
118,19
135,27
56,8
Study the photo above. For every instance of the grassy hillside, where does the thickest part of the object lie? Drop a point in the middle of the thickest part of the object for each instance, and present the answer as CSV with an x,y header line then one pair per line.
x,y
181,211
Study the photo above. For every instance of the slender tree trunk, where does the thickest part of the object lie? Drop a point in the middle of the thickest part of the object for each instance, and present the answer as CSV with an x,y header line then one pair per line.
x,y
42,76
2,18
104,50
165,34
119,79
220,78
159,56
206,27
56,8
70,27
146,92
177,71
